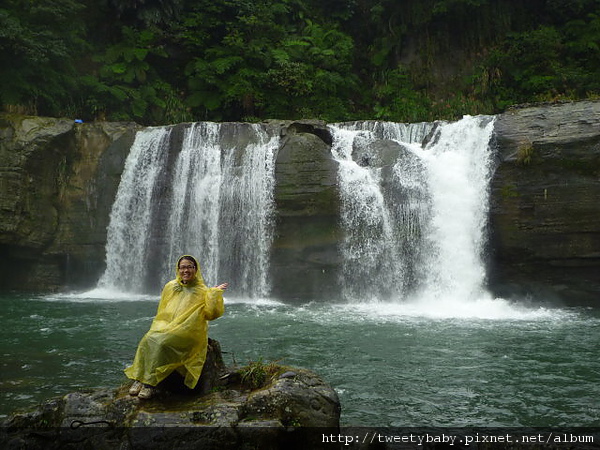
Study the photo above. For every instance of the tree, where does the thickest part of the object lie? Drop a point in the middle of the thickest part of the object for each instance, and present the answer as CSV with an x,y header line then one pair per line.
x,y
126,84
39,42
264,59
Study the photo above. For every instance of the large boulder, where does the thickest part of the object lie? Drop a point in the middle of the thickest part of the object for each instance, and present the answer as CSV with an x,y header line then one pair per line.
x,y
264,406
307,215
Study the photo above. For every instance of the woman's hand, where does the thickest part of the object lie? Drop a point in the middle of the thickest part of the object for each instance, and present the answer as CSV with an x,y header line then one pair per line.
x,y
222,286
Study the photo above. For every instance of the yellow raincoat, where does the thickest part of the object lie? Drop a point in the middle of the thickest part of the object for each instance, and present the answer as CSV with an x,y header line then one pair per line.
x,y
178,337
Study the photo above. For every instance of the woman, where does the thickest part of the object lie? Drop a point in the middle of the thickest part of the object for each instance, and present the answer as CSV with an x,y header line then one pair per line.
x,y
178,337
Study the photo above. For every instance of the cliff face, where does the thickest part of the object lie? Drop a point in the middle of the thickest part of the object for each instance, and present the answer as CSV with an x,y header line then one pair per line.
x,y
58,181
306,197
545,210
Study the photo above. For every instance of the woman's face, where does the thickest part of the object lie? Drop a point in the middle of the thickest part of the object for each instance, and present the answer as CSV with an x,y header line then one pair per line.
x,y
187,270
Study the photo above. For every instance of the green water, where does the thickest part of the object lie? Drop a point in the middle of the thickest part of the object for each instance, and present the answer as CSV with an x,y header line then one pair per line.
x,y
392,365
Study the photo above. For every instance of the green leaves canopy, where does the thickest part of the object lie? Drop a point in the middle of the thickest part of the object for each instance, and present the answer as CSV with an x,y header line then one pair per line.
x,y
158,61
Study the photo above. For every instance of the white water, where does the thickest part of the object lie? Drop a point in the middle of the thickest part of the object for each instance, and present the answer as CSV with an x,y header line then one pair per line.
x,y
194,207
381,230
422,255
130,217
211,198
458,172
248,193
414,205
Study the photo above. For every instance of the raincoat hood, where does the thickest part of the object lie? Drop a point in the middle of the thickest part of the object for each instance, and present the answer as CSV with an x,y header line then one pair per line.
x,y
197,278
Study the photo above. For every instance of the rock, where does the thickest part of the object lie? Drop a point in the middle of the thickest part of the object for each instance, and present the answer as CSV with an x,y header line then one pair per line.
x,y
211,377
380,153
288,374
58,183
35,155
307,215
286,412
544,218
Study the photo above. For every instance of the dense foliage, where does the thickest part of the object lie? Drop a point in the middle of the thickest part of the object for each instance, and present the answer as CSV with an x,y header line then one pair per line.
x,y
166,61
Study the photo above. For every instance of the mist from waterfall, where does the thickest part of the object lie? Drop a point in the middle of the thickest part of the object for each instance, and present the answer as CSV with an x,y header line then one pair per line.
x,y
211,196
414,209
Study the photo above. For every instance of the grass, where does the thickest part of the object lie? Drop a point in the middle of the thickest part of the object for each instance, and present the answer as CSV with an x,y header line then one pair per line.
x,y
524,154
257,373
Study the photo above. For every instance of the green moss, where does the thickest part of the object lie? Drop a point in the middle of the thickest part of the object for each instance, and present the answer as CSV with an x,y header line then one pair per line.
x,y
509,191
292,423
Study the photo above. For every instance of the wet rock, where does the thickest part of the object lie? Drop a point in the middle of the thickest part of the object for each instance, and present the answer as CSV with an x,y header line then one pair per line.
x,y
286,412
58,180
544,218
307,215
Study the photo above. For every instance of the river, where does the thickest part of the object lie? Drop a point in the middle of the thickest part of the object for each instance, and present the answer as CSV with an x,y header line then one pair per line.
x,y
400,365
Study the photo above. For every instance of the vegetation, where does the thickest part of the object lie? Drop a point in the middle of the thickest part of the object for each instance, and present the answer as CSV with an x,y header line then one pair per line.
x,y
524,154
167,61
257,373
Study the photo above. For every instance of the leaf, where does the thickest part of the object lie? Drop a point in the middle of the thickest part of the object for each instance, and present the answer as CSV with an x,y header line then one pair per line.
x,y
140,53
222,65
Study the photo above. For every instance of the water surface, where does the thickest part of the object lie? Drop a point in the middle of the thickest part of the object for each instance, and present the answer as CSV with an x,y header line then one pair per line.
x,y
492,364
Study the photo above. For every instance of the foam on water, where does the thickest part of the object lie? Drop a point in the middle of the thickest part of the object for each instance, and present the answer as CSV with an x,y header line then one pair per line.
x,y
101,294
481,309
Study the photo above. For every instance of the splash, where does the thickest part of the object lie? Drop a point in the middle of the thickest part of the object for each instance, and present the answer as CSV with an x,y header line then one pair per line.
x,y
414,209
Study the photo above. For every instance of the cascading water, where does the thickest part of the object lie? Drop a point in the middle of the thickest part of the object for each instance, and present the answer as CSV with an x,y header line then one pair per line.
x,y
195,209
212,197
459,167
130,217
414,208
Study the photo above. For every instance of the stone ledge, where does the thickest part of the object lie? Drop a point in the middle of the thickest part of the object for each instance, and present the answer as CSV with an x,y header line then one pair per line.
x,y
285,410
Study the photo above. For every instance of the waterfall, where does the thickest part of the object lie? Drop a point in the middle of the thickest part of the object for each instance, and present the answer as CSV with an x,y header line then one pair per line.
x,y
414,202
210,196
459,166
413,208
130,217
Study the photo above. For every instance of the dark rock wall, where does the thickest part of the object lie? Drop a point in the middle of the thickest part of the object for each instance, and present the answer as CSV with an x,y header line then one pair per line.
x,y
57,184
58,181
545,209
305,257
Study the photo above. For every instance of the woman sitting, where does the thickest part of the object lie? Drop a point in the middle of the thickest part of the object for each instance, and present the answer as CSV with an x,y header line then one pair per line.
x,y
178,337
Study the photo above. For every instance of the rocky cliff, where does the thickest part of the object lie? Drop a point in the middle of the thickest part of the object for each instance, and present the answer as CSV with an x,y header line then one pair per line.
x,y
545,209
58,181
306,197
